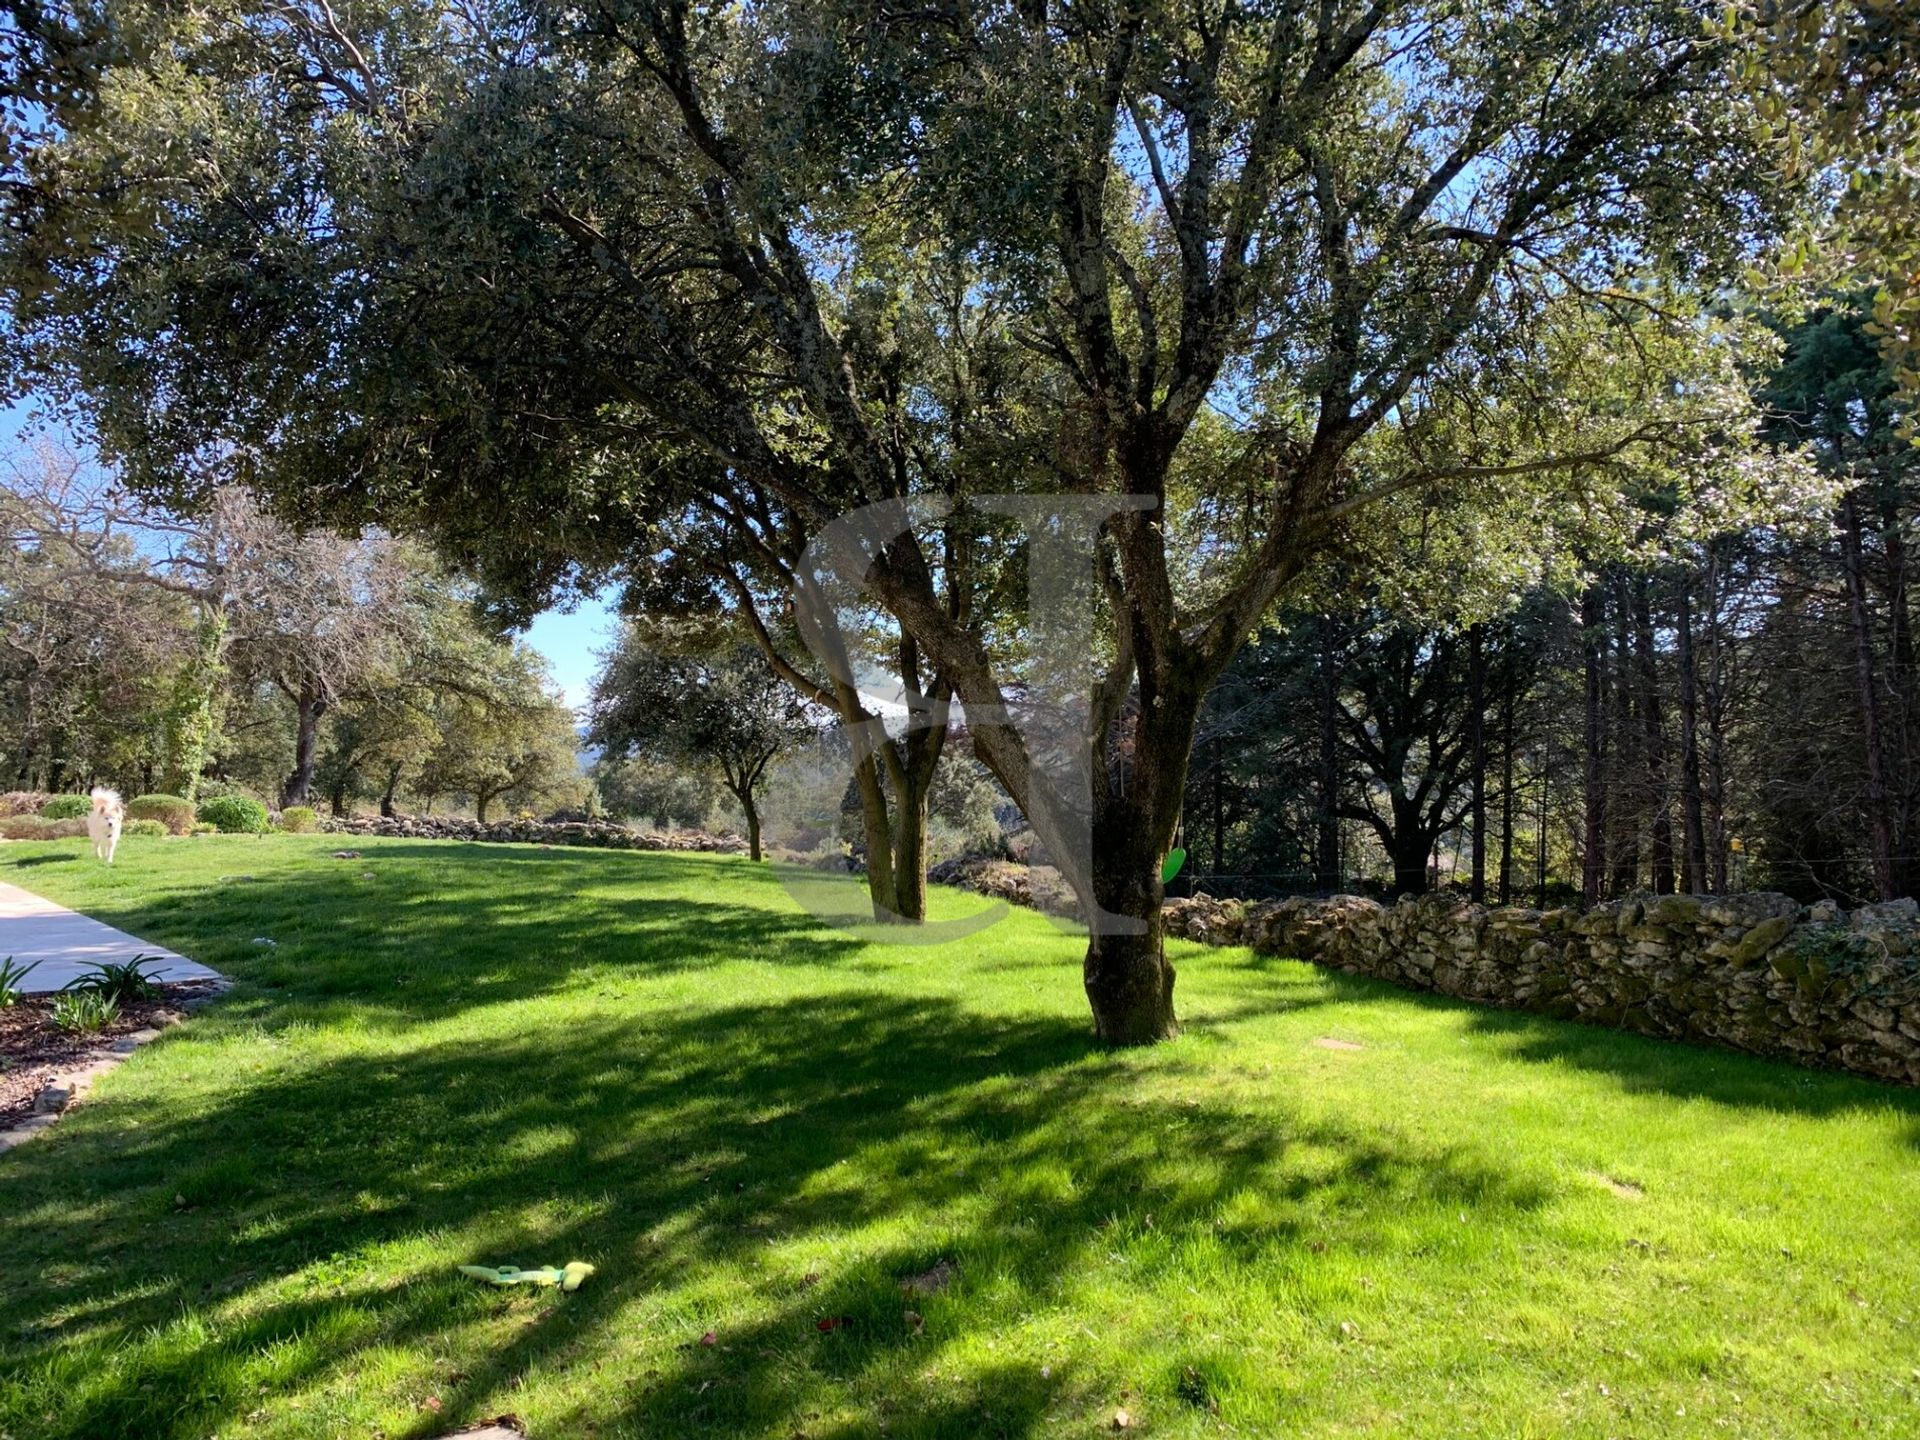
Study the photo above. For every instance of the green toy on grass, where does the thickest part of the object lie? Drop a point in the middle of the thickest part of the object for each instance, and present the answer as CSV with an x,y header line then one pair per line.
x,y
568,1277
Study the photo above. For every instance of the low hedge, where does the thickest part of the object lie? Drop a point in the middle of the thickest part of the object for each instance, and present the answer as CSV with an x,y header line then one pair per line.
x,y
170,810
143,827
299,819
66,807
235,815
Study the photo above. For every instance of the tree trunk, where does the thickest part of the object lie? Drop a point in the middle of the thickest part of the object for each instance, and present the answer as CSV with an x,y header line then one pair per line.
x,y
1128,980
1906,730
481,800
876,827
1327,841
1593,867
1477,761
386,796
309,707
752,812
1412,849
1654,741
1716,717
910,853
1879,816
1506,793
1623,747
1693,829
337,800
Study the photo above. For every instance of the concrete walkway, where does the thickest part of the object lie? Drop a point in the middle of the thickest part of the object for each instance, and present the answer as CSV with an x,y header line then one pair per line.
x,y
65,943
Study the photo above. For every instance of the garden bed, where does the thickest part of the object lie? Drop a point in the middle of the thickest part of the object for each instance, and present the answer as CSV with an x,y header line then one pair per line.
x,y
35,1053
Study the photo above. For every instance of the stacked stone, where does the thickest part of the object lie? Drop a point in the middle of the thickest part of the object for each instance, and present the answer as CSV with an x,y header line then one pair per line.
x,y
600,834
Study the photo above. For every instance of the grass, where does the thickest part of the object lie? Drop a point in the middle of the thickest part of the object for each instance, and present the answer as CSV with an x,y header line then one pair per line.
x,y
1473,1224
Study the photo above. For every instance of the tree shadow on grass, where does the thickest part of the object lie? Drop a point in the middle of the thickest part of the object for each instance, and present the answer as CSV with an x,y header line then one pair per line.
x,y
671,1150
449,932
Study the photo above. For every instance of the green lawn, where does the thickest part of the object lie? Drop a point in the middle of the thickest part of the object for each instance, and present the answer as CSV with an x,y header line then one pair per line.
x,y
1475,1224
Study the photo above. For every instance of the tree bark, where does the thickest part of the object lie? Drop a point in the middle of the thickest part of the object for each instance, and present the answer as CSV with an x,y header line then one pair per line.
x,y
393,784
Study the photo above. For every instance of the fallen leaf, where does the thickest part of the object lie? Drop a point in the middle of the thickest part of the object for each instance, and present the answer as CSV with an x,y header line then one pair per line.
x,y
433,1403
709,1338
916,1322
1122,1420
834,1322
1349,1329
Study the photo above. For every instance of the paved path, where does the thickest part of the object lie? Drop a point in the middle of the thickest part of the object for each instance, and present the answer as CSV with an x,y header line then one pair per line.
x,y
65,943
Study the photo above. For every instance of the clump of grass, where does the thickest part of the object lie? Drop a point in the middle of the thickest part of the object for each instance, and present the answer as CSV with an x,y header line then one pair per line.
x,y
85,1012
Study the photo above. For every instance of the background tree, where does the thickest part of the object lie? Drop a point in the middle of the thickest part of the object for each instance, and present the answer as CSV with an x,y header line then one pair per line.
x,y
712,706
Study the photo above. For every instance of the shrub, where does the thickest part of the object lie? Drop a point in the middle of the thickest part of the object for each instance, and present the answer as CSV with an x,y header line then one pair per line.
x,y
143,827
66,807
22,802
298,819
235,815
170,810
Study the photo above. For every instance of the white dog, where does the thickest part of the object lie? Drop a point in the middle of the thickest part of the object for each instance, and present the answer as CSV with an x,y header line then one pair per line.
x,y
104,821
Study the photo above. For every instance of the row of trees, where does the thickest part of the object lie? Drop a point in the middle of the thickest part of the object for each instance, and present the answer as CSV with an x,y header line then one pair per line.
x,y
1735,707
156,650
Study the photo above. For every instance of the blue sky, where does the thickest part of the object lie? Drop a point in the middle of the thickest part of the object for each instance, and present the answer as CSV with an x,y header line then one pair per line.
x,y
568,640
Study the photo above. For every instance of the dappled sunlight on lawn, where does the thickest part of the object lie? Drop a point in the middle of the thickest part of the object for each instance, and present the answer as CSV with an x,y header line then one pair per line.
x,y
752,1124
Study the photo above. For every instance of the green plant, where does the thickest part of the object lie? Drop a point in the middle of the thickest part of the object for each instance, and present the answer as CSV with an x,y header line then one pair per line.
x,y
143,827
12,977
120,981
235,815
298,819
170,810
66,807
85,1012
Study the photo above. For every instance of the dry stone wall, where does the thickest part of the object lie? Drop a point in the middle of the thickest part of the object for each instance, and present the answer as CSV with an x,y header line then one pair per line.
x,y
1756,972
599,834
1817,985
